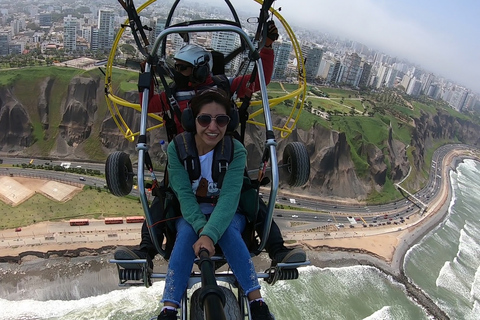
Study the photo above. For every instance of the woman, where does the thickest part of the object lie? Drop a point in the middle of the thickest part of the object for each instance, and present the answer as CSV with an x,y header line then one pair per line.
x,y
202,225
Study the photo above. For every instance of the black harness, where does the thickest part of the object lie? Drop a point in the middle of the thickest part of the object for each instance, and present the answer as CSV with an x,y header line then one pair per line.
x,y
188,155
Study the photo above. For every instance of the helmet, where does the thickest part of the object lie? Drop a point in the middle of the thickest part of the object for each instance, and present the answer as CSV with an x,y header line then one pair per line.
x,y
194,54
199,57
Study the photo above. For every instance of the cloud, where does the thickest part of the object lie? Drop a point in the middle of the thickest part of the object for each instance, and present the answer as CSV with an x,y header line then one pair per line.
x,y
395,29
370,23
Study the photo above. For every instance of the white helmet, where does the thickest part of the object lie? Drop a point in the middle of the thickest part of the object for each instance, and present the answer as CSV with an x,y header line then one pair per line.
x,y
195,55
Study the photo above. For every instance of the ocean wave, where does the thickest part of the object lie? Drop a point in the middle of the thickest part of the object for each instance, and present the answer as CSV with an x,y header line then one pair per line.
x,y
468,250
384,313
453,284
131,303
475,291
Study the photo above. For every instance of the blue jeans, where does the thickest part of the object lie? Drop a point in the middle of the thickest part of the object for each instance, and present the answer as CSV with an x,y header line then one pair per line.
x,y
181,260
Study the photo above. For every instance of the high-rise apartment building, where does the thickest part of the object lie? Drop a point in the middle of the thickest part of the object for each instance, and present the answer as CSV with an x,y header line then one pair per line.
x,y
351,64
314,56
87,33
70,33
381,76
106,29
414,87
335,73
45,19
434,91
94,39
390,77
457,97
282,52
325,65
363,82
158,27
427,80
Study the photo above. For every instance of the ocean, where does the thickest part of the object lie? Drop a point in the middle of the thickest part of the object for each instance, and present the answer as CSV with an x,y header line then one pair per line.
x,y
445,265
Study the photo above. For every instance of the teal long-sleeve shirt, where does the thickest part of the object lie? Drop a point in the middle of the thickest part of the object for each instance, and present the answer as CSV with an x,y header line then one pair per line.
x,y
228,200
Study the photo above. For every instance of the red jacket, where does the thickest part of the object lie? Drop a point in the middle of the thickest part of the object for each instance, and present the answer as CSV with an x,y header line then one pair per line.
x,y
158,102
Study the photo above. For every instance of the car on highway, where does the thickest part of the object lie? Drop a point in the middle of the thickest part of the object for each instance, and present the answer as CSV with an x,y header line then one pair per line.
x,y
82,179
294,216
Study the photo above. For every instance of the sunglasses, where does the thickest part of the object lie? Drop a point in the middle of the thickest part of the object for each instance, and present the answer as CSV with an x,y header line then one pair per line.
x,y
205,119
181,67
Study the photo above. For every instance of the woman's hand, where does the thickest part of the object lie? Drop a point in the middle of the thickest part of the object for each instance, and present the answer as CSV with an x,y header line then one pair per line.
x,y
206,243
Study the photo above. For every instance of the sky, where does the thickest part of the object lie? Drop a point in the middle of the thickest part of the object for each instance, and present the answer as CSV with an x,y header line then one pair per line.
x,y
440,36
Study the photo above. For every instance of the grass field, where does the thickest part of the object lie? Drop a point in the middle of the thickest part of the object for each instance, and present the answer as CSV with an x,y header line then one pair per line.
x,y
90,203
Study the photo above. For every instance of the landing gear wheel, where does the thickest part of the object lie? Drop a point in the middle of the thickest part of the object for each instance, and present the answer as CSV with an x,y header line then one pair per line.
x,y
231,308
119,173
296,163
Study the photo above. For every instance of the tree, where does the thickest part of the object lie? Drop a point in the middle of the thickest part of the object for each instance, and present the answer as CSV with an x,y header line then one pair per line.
x,y
128,49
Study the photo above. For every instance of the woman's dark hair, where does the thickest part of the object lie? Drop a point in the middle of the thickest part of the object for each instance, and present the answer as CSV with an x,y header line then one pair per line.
x,y
208,96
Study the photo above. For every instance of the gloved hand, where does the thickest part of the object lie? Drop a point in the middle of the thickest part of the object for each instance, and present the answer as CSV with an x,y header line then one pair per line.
x,y
153,68
272,33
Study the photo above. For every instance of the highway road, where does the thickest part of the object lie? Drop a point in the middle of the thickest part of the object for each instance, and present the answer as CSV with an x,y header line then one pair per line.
x,y
317,211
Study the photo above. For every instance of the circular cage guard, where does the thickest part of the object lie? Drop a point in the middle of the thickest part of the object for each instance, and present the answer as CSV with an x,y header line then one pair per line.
x,y
114,102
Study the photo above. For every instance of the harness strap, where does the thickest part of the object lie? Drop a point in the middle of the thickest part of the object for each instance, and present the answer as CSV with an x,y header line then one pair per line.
x,y
172,102
188,155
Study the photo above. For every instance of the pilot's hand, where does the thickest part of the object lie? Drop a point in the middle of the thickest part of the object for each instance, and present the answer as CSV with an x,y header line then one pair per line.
x,y
153,68
272,33
204,242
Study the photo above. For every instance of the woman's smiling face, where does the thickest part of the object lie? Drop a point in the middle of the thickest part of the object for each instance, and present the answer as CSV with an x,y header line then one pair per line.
x,y
208,137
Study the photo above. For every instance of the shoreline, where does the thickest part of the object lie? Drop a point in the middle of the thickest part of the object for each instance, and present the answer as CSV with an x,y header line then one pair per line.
x,y
385,252
321,253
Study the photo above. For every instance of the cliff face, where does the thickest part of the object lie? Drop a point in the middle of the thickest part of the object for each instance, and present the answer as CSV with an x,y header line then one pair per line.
x,y
441,126
16,131
43,101
79,110
333,172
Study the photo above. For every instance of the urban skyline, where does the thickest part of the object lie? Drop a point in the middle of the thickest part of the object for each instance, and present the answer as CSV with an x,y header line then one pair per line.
x,y
336,61
439,36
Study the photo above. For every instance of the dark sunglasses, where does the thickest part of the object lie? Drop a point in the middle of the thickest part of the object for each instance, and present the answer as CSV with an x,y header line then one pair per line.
x,y
205,119
181,67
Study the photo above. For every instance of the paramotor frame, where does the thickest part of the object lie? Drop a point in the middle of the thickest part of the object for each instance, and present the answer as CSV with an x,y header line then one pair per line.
x,y
114,102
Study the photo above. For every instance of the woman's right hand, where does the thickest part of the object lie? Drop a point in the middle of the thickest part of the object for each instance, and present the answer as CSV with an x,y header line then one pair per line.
x,y
204,242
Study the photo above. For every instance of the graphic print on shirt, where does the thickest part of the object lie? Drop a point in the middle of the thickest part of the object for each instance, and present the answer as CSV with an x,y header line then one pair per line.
x,y
204,186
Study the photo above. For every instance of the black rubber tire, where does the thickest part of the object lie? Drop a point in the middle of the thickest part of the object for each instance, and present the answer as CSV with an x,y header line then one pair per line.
x,y
296,164
231,308
119,173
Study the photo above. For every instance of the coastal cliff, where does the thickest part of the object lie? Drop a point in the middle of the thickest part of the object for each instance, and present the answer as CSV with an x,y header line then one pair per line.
x,y
77,120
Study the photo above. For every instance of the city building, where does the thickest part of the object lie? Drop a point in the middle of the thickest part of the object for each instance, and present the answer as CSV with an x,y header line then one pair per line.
x,y
70,33
363,82
351,64
94,39
16,47
314,56
282,53
414,87
45,19
4,43
106,29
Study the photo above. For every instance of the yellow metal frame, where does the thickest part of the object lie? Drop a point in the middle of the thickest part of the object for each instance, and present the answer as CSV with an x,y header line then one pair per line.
x,y
113,101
